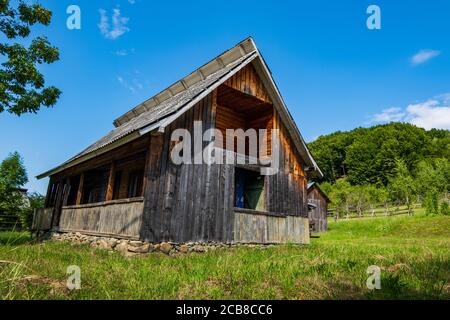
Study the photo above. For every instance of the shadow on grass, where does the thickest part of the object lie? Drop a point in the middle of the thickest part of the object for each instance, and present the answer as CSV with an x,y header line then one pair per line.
x,y
421,280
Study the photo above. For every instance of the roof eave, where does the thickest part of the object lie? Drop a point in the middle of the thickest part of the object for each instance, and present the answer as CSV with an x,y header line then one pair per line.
x,y
130,137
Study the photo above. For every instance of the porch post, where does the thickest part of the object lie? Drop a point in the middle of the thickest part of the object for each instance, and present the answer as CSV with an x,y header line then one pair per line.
x,y
110,187
80,189
49,192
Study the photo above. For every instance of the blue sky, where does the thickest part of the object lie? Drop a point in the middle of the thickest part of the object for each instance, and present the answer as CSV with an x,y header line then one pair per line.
x,y
334,73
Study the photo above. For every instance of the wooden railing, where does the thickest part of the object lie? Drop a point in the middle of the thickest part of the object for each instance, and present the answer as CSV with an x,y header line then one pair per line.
x,y
378,210
121,218
252,226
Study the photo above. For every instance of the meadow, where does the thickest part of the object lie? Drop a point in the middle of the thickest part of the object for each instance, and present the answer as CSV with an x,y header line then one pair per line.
x,y
413,254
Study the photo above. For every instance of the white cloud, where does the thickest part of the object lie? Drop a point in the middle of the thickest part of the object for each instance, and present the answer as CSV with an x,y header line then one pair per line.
x,y
388,115
124,52
429,114
118,24
423,56
134,85
432,113
131,1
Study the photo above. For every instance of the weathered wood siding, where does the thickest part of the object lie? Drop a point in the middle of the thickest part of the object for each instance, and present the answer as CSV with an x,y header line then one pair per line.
x,y
187,202
190,202
115,218
248,82
286,191
42,219
318,215
266,228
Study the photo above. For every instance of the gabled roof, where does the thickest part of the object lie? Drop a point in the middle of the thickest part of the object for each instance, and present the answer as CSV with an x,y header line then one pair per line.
x,y
156,113
312,185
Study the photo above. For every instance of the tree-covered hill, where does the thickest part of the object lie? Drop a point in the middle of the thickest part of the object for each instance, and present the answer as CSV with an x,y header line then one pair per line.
x,y
368,155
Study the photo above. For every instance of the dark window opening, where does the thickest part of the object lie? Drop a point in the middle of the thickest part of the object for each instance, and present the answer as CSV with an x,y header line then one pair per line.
x,y
73,191
53,193
117,184
135,183
249,190
95,183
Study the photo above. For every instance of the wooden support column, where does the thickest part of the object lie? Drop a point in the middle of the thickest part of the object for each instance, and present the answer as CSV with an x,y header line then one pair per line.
x,y
80,189
147,166
58,203
49,192
110,187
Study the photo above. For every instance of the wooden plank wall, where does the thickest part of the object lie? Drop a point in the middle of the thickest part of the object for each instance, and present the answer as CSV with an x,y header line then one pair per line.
x,y
187,202
190,202
42,219
286,191
260,228
115,218
248,81
318,215
195,202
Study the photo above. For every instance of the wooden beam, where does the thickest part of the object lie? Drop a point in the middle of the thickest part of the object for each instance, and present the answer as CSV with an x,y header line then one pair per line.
x,y
110,187
80,189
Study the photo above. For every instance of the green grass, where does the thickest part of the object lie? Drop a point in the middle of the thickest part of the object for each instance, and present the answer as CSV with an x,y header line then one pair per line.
x,y
412,252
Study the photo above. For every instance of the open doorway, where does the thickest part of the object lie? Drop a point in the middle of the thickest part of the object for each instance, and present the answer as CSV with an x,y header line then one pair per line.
x,y
249,190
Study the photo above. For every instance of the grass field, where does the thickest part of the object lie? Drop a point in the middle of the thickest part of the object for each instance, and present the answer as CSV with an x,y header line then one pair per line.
x,y
412,252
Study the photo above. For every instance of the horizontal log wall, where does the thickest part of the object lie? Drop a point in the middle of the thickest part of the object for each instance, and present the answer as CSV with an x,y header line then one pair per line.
x,y
266,228
112,218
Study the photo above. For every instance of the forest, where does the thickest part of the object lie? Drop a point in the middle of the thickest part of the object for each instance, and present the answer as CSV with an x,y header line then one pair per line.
x,y
395,162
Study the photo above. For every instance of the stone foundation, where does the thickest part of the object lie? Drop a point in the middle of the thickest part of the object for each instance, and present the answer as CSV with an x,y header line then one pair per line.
x,y
130,248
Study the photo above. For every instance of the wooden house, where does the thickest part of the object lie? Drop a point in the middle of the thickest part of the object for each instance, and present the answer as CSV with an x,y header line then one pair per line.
x,y
126,185
318,204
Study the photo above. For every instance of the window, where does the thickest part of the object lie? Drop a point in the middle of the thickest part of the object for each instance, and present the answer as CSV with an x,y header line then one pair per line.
x,y
249,190
135,183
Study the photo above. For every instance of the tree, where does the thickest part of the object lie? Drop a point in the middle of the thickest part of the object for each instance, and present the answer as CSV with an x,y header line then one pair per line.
x,y
340,196
402,185
374,195
36,201
12,177
433,181
22,86
368,155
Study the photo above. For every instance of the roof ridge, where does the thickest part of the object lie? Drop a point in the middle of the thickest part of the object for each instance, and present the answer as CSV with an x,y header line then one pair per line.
x,y
224,59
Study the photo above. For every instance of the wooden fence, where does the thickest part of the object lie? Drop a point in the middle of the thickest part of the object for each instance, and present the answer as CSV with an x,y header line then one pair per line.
x,y
9,222
378,210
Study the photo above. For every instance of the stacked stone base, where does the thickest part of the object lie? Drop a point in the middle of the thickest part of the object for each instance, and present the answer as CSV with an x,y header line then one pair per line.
x,y
130,248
